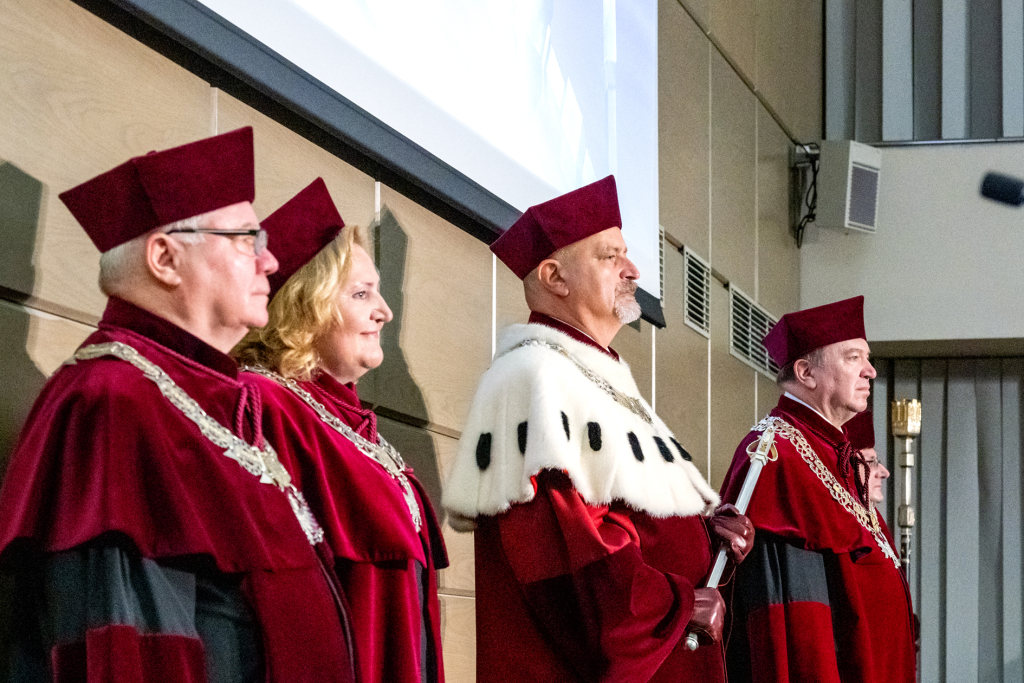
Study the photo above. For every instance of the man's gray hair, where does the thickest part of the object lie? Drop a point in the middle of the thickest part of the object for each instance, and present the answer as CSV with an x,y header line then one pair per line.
x,y
122,266
788,374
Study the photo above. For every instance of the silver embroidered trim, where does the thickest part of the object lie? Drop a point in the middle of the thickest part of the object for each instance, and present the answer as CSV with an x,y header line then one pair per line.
x,y
260,463
382,453
625,400
867,517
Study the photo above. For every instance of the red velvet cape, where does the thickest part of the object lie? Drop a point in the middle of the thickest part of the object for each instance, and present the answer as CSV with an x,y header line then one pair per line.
x,y
567,591
867,636
367,523
103,451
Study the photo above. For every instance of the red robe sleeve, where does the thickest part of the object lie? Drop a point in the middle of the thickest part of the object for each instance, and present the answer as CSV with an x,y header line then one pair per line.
x,y
581,571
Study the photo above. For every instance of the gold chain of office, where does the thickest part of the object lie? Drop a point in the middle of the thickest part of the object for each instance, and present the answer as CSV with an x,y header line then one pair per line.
x,y
262,463
382,453
867,517
634,405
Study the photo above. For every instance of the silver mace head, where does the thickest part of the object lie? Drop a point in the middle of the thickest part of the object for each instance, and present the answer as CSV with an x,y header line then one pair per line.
x,y
906,418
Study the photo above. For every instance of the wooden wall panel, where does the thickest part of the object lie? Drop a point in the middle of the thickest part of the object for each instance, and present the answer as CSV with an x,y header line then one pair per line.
x,y
83,97
733,23
732,390
683,127
35,344
789,71
437,280
778,259
768,393
286,162
682,368
458,624
634,347
733,162
511,303
699,9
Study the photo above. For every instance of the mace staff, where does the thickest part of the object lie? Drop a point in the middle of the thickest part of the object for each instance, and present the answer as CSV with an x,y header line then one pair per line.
x,y
758,459
906,426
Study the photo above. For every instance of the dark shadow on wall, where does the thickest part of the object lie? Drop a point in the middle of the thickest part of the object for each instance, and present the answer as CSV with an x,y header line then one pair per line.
x,y
20,201
396,397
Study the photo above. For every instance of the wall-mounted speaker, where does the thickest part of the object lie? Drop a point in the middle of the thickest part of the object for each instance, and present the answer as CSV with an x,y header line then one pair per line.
x,y
848,182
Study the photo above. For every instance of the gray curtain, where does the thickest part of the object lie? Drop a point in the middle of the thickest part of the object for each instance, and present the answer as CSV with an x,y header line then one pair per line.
x,y
965,576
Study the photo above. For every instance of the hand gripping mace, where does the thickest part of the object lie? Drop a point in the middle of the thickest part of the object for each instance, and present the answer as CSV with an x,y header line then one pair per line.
x,y
758,459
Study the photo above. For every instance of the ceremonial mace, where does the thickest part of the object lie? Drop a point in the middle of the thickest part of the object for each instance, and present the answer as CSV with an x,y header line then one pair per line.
x,y
906,426
758,459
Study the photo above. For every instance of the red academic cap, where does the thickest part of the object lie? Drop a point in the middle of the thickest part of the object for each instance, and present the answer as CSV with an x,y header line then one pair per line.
x,y
804,331
547,227
860,430
163,187
297,231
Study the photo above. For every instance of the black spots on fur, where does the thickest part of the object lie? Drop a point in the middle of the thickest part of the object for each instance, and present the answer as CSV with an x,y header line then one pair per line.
x,y
483,452
666,454
594,435
682,451
565,426
634,443
521,432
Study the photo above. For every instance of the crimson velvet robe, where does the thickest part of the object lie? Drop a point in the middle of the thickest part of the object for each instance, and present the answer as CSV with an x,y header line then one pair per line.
x,y
141,551
387,569
816,599
568,591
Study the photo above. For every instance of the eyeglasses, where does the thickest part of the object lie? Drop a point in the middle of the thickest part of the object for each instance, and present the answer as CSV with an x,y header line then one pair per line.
x,y
873,464
253,246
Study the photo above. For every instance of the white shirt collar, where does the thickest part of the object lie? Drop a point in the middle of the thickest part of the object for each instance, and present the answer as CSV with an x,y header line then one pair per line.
x,y
804,403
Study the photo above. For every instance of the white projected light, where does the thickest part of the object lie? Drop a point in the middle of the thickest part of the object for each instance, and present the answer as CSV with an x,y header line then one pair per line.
x,y
528,98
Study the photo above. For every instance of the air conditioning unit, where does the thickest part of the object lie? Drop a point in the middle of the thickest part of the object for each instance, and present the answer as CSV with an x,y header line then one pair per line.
x,y
848,181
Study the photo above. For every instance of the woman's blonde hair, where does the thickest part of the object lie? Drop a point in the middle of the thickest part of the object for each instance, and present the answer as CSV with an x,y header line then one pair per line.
x,y
303,311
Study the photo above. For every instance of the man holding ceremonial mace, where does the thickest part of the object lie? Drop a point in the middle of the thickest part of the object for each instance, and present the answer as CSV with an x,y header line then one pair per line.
x,y
821,597
593,528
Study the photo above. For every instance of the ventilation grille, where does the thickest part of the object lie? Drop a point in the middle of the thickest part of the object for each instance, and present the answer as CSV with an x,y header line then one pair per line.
x,y
698,292
748,325
863,196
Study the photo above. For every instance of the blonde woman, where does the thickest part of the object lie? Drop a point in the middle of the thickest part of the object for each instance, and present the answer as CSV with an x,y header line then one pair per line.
x,y
323,335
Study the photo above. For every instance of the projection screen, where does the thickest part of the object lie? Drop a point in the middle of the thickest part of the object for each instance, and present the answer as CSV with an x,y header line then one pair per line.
x,y
528,98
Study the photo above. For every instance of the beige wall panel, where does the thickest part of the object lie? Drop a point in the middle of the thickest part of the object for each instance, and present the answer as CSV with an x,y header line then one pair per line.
x,y
732,390
78,97
35,344
511,306
699,9
458,638
682,368
789,74
768,393
430,455
778,259
683,124
437,280
634,347
733,151
733,24
286,162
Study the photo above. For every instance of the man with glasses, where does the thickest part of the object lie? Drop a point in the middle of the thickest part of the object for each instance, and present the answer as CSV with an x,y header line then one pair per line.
x,y
861,432
821,596
153,533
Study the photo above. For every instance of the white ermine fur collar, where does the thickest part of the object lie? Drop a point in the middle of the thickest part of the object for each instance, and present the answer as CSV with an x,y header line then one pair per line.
x,y
536,410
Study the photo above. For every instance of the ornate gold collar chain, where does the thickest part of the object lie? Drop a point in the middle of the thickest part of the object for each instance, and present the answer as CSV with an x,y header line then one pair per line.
x,y
625,400
383,453
867,517
262,463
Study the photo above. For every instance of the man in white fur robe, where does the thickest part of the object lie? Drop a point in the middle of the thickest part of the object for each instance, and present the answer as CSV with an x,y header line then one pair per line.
x,y
593,528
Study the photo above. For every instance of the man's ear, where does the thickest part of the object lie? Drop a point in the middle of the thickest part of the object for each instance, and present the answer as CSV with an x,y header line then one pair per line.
x,y
804,373
551,277
163,259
